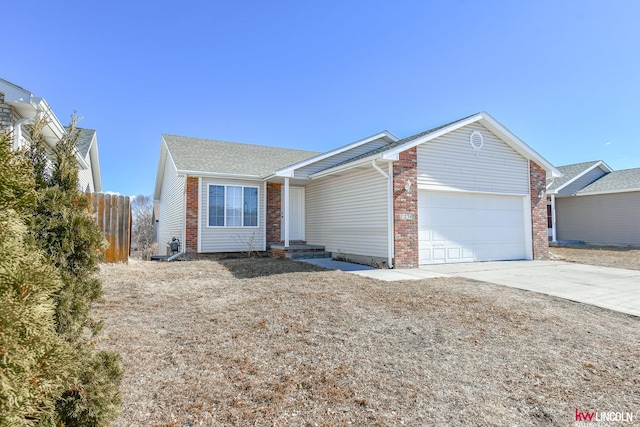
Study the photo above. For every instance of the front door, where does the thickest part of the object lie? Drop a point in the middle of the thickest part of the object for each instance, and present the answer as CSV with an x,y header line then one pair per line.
x,y
296,213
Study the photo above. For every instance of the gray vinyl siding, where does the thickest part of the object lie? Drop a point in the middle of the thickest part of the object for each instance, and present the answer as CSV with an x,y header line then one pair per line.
x,y
449,163
582,182
171,208
85,177
231,239
327,163
606,219
348,214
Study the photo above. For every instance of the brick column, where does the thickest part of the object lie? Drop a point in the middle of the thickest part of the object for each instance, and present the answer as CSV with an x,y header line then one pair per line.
x,y
540,238
274,206
6,116
191,214
405,210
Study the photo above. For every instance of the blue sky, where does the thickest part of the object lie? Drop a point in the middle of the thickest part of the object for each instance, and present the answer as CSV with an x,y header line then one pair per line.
x,y
563,76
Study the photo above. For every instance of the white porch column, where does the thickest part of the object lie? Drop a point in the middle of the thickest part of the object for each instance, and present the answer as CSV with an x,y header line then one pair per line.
x,y
286,212
391,235
553,219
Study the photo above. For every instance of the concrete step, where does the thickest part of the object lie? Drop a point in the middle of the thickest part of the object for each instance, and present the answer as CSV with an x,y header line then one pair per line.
x,y
299,248
308,255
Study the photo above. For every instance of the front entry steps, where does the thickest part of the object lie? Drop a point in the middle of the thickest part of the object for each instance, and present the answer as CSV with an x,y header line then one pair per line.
x,y
299,251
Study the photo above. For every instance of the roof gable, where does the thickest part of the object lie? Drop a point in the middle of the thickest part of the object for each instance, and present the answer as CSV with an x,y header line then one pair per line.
x,y
571,173
338,156
397,143
391,151
85,138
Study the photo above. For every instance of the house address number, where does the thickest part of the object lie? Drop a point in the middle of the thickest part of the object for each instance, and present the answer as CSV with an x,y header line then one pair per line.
x,y
406,216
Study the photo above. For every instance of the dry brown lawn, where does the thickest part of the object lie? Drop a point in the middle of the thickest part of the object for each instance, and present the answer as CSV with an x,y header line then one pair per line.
x,y
278,343
609,256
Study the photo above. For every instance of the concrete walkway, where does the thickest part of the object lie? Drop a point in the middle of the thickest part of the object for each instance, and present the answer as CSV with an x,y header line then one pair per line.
x,y
613,288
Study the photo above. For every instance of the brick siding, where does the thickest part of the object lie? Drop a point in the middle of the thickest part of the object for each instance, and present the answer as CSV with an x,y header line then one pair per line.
x,y
273,213
540,239
191,243
6,116
405,210
279,253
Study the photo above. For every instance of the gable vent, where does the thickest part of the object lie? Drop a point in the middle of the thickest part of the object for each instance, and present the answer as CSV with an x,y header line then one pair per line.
x,y
476,140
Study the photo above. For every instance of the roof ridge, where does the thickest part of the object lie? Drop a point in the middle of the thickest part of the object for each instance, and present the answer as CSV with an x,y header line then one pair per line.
x,y
237,143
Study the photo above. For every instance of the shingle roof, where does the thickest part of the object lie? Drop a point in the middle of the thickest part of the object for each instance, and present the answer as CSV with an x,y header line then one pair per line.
x,y
213,156
626,179
84,140
569,173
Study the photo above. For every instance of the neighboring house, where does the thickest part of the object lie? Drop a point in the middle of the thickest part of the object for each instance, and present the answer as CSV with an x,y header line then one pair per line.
x,y
469,190
594,204
19,108
87,145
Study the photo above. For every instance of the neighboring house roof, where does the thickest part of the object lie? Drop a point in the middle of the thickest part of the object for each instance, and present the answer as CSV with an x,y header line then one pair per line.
x,y
26,105
571,173
84,141
614,182
87,146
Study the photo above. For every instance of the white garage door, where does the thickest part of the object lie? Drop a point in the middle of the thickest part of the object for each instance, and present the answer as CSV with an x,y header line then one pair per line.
x,y
464,227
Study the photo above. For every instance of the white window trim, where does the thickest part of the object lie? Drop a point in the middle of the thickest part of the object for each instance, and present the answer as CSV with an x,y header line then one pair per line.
x,y
225,226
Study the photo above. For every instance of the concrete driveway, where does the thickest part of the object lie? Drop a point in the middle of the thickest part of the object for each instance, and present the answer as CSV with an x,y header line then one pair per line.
x,y
613,288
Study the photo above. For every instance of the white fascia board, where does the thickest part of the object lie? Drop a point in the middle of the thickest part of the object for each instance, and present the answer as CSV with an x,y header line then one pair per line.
x,y
53,124
205,174
605,166
520,146
290,170
351,165
164,153
13,92
81,161
583,173
415,142
512,140
28,105
94,158
53,131
598,193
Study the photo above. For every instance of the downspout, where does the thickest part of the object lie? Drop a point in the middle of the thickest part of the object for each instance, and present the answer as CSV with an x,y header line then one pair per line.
x,y
390,234
554,233
179,254
17,127
286,212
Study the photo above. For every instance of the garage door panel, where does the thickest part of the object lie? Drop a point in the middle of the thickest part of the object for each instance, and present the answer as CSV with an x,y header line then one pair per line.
x,y
439,255
453,254
438,235
465,227
468,253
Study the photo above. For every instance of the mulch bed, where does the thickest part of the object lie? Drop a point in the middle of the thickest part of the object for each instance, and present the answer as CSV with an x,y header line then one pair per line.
x,y
279,343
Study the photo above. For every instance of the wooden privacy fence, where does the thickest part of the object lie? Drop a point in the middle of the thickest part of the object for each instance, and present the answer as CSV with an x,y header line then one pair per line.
x,y
113,215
